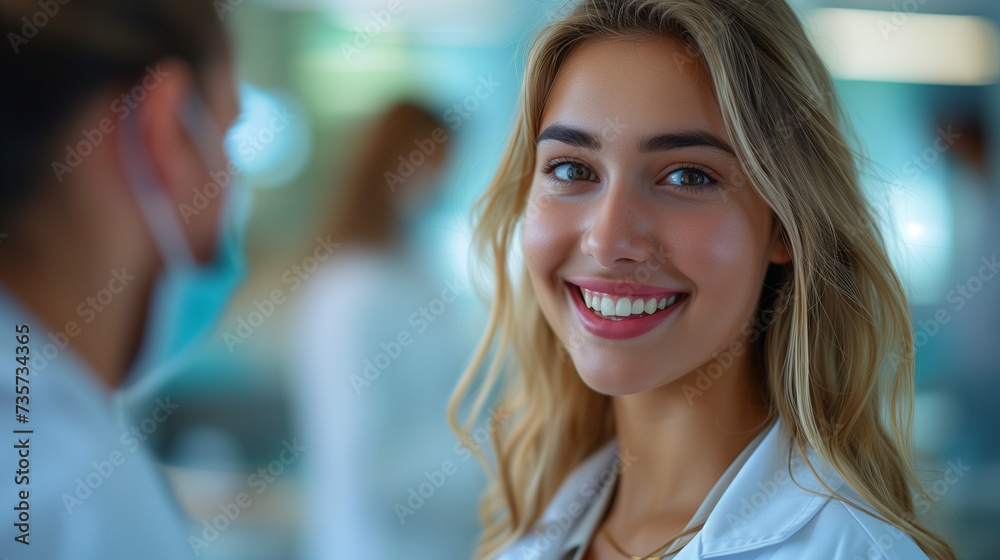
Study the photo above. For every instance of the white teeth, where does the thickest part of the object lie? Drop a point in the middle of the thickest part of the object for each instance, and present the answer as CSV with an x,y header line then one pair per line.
x,y
607,306
623,308
650,306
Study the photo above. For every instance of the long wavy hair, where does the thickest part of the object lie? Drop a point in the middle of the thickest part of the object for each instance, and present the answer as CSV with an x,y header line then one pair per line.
x,y
838,354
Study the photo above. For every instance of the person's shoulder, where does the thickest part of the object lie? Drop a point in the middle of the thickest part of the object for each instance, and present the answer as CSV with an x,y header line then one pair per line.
x,y
847,526
843,530
786,504
581,488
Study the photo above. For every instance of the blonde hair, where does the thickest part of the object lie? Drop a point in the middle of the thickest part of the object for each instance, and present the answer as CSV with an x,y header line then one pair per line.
x,y
838,352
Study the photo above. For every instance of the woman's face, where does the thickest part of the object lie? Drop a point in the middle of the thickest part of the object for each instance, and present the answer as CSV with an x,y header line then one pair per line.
x,y
639,208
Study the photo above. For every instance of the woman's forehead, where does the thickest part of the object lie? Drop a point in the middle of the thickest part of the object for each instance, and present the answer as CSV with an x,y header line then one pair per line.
x,y
632,88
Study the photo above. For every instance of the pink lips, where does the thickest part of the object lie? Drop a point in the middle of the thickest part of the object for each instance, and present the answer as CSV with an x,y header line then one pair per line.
x,y
626,328
614,288
622,288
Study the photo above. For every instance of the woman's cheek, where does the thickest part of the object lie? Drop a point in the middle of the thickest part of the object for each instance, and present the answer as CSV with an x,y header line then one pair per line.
x,y
545,239
720,249
727,270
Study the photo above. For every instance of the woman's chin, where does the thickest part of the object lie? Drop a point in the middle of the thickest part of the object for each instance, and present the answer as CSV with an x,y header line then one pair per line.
x,y
618,382
620,376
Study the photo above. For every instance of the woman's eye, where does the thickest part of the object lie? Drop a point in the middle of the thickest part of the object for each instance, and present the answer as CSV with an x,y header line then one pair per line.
x,y
688,178
572,172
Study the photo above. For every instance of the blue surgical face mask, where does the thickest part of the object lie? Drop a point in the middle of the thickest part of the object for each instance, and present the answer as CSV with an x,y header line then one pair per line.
x,y
188,298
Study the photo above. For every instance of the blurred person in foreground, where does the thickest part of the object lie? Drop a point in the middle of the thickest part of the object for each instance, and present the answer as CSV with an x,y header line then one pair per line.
x,y
114,112
381,336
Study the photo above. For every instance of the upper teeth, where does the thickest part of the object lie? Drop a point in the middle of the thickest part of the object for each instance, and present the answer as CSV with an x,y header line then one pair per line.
x,y
612,306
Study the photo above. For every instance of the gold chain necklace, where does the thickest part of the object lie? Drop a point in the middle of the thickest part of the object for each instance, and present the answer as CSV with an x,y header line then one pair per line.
x,y
650,556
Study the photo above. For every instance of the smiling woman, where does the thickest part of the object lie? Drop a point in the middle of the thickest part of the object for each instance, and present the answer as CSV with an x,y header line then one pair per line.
x,y
673,224
668,182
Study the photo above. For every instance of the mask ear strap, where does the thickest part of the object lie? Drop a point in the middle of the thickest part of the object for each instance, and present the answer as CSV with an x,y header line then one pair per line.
x,y
202,128
161,217
199,124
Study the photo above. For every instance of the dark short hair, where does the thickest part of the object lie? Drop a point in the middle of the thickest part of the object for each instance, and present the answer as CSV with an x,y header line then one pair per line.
x,y
58,54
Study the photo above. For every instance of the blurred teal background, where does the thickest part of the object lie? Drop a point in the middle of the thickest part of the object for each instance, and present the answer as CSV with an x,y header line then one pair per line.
x,y
316,71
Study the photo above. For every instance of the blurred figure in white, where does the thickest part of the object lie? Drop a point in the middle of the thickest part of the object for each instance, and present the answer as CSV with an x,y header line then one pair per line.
x,y
384,335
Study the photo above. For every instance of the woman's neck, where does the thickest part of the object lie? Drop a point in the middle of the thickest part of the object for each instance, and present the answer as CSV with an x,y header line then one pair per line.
x,y
683,436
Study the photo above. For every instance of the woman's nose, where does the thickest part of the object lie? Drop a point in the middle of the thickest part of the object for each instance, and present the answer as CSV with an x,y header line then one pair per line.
x,y
619,231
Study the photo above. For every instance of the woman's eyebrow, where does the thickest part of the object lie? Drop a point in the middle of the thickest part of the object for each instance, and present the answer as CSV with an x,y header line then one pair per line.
x,y
684,139
572,136
657,143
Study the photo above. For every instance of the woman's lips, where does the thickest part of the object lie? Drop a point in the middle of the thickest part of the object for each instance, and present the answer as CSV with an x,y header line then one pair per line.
x,y
619,287
613,321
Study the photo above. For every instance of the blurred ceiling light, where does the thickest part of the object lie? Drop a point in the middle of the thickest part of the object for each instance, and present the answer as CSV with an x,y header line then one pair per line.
x,y
920,236
270,141
907,47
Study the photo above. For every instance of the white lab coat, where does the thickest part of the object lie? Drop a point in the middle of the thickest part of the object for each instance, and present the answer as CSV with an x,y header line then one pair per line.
x,y
375,435
762,515
94,493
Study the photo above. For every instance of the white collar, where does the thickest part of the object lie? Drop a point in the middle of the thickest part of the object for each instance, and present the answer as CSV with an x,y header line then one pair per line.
x,y
761,507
